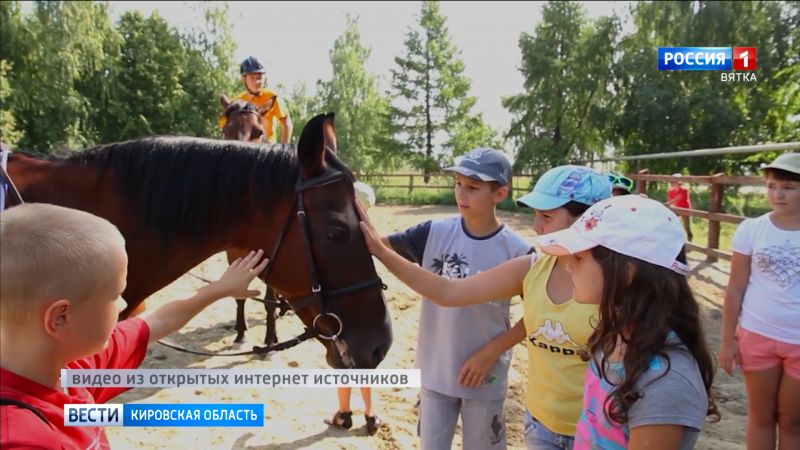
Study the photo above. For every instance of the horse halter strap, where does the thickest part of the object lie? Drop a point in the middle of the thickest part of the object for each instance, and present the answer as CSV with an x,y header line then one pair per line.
x,y
6,185
318,294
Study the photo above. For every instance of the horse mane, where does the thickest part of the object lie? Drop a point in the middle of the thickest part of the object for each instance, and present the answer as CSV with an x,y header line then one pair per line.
x,y
194,185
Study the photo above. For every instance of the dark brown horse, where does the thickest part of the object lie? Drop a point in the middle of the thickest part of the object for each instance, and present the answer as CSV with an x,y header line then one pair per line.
x,y
243,122
179,200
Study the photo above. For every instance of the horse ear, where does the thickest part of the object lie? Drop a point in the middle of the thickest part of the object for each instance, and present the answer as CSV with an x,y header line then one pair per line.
x,y
267,106
311,147
329,133
224,102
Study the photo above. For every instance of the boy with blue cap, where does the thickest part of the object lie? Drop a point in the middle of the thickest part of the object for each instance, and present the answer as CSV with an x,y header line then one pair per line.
x,y
453,248
555,328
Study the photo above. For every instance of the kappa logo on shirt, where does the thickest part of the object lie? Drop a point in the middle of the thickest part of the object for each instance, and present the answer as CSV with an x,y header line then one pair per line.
x,y
555,334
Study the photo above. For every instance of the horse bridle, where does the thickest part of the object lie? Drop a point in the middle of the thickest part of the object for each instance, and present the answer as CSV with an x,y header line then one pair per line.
x,y
6,184
318,294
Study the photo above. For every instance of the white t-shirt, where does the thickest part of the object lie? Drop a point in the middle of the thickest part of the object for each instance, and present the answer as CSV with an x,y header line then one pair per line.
x,y
771,305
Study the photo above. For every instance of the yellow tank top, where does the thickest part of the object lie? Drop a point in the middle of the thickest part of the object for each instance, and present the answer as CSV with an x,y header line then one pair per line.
x,y
555,334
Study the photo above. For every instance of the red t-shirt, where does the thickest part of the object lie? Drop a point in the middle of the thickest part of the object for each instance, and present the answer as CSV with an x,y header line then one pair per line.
x,y
682,194
21,428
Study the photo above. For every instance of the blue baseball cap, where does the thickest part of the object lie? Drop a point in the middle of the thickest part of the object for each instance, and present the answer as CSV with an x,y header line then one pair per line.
x,y
560,185
485,164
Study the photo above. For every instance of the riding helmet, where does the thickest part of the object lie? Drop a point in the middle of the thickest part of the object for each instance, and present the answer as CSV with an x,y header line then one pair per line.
x,y
251,65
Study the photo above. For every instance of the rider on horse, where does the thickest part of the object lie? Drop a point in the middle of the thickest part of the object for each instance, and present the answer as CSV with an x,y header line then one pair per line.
x,y
264,99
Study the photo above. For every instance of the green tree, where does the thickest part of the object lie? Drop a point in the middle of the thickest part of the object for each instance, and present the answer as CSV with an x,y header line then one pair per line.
x,y
302,106
431,102
362,113
208,71
61,55
9,134
148,97
567,105
11,20
672,111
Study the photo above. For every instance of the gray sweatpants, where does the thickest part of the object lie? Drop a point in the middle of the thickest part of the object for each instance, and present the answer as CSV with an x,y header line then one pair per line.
x,y
483,423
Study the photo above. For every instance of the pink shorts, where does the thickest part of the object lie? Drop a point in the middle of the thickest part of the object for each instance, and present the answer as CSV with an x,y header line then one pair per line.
x,y
759,352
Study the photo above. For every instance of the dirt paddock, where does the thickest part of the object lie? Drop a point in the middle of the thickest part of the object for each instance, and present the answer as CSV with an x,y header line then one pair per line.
x,y
294,416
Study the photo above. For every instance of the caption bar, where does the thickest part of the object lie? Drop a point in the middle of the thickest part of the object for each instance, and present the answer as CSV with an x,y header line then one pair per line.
x,y
298,378
164,415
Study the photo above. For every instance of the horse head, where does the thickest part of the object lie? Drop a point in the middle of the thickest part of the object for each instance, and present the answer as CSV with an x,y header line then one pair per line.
x,y
334,286
243,121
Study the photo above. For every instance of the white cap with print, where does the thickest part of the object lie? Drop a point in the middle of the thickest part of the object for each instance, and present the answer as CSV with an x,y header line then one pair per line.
x,y
632,225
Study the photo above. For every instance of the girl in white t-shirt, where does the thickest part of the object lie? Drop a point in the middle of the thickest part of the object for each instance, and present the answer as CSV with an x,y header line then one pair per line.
x,y
763,299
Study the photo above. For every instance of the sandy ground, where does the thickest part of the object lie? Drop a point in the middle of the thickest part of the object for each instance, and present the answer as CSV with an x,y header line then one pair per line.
x,y
294,416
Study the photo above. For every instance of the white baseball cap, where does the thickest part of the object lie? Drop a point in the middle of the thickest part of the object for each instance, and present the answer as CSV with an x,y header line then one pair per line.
x,y
365,194
632,225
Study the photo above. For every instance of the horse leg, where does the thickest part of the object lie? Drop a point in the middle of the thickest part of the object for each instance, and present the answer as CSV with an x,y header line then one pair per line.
x,y
269,306
241,324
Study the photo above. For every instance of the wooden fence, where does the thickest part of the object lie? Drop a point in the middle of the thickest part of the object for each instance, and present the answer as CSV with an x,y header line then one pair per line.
x,y
415,181
714,216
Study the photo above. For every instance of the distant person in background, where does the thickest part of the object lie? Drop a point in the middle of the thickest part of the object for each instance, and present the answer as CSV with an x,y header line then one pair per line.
x,y
344,416
761,315
678,196
267,101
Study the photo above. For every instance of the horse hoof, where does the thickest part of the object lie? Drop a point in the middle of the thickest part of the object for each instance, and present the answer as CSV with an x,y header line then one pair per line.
x,y
239,339
273,341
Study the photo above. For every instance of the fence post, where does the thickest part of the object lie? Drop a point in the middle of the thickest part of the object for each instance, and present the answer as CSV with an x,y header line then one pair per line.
x,y
410,183
641,186
715,206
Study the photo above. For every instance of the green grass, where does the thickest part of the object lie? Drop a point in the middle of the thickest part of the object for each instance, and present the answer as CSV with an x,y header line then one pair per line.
x,y
700,233
398,193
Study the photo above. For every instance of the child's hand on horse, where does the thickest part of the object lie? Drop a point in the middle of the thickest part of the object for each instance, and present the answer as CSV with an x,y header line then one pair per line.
x,y
371,237
235,280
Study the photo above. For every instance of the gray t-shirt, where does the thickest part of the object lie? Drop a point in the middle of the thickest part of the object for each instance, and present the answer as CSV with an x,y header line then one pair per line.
x,y
449,335
677,397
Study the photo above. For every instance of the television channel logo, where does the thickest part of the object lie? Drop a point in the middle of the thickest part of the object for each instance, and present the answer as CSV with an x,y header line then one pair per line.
x,y
694,58
744,58
707,58
736,63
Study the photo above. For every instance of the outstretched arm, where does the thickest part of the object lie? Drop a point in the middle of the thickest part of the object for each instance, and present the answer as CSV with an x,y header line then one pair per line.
x,y
286,129
234,282
501,282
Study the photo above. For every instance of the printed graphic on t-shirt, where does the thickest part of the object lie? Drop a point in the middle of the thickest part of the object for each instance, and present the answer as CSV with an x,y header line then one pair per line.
x,y
595,429
781,264
552,337
451,266
497,430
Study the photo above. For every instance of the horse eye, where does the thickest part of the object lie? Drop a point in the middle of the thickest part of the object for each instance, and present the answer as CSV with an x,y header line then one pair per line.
x,y
338,232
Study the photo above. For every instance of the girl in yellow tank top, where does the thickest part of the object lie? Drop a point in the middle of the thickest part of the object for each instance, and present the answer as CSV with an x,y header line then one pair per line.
x,y
555,327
